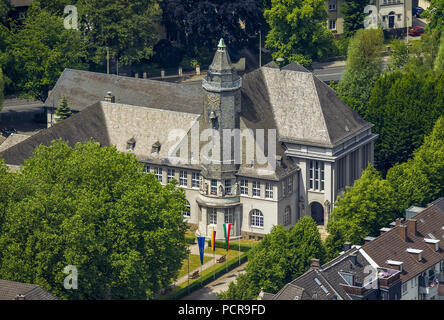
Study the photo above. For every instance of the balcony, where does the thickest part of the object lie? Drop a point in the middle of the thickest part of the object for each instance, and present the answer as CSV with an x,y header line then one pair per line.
x,y
386,277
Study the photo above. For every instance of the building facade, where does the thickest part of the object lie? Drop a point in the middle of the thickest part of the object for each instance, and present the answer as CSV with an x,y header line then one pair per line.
x,y
393,15
293,144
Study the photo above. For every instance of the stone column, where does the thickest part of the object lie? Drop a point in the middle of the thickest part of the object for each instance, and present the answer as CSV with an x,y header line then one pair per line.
x,y
145,75
136,75
162,73
180,71
198,69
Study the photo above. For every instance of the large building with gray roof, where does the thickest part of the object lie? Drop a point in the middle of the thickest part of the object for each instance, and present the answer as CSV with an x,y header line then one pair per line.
x,y
255,151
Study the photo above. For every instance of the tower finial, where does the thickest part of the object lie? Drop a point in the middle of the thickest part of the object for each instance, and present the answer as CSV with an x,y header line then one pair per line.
x,y
221,43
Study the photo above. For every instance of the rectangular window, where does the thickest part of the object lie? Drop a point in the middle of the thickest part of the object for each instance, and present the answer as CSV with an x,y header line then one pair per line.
x,y
170,175
227,187
290,184
187,212
146,169
212,216
229,215
284,188
256,189
195,180
159,174
244,187
183,178
269,191
332,24
213,186
331,5
404,288
316,175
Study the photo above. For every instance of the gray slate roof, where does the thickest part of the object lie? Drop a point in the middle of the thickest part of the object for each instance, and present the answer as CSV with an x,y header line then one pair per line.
x,y
303,108
10,289
84,88
109,124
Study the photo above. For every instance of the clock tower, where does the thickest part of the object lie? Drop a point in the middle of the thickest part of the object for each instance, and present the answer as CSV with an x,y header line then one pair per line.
x,y
222,105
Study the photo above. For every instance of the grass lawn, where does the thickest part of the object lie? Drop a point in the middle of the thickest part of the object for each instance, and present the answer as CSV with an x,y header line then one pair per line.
x,y
194,264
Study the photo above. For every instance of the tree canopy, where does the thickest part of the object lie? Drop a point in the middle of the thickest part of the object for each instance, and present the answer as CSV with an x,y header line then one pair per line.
x,y
403,107
353,11
197,23
363,68
280,257
91,207
38,52
361,211
63,111
420,180
298,30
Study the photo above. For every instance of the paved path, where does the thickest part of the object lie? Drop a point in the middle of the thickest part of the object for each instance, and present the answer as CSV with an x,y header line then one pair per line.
x,y
210,291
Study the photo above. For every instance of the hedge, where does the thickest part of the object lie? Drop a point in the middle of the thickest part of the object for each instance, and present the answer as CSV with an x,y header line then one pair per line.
x,y
219,271
190,240
233,246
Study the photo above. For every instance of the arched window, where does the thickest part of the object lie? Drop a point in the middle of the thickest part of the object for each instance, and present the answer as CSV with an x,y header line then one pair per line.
x,y
287,216
187,212
256,218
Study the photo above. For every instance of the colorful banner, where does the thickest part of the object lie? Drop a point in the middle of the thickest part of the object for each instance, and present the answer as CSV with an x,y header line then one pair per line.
x,y
227,227
201,243
213,240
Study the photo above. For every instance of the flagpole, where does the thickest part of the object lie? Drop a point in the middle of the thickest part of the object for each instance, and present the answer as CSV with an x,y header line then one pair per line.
x,y
188,286
239,249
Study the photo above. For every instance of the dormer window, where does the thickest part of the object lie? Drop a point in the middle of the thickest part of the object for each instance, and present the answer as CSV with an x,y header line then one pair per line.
x,y
415,252
156,147
131,144
348,278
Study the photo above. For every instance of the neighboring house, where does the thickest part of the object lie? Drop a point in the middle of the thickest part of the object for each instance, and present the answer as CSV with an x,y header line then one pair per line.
x,y
19,8
406,262
394,15
11,290
321,144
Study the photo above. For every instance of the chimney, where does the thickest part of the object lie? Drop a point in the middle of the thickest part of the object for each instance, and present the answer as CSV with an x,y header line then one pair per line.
x,y
432,243
20,297
347,246
417,253
315,263
402,229
411,227
398,221
109,97
354,259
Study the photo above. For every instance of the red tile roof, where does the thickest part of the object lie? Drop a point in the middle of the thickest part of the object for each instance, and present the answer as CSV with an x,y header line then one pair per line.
x,y
391,246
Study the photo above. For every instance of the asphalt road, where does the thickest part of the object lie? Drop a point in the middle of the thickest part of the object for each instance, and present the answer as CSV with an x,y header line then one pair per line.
x,y
329,74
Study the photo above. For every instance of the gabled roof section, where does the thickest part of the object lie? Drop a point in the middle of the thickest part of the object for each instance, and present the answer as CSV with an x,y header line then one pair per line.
x,y
391,246
83,88
303,108
10,289
110,124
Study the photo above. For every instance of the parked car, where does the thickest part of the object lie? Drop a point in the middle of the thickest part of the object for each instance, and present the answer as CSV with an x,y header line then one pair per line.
x,y
417,11
416,31
6,132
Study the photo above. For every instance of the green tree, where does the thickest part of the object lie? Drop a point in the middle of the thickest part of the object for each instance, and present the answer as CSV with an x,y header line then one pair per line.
x,y
399,54
280,257
126,27
5,7
298,30
435,13
403,107
363,68
423,53
38,52
94,208
439,61
2,87
420,180
63,111
353,11
361,211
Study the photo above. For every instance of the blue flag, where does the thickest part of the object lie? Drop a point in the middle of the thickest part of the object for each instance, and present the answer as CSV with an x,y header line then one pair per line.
x,y
201,243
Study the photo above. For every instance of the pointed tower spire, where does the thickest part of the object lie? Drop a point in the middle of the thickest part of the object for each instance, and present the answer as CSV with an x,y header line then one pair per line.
x,y
221,74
